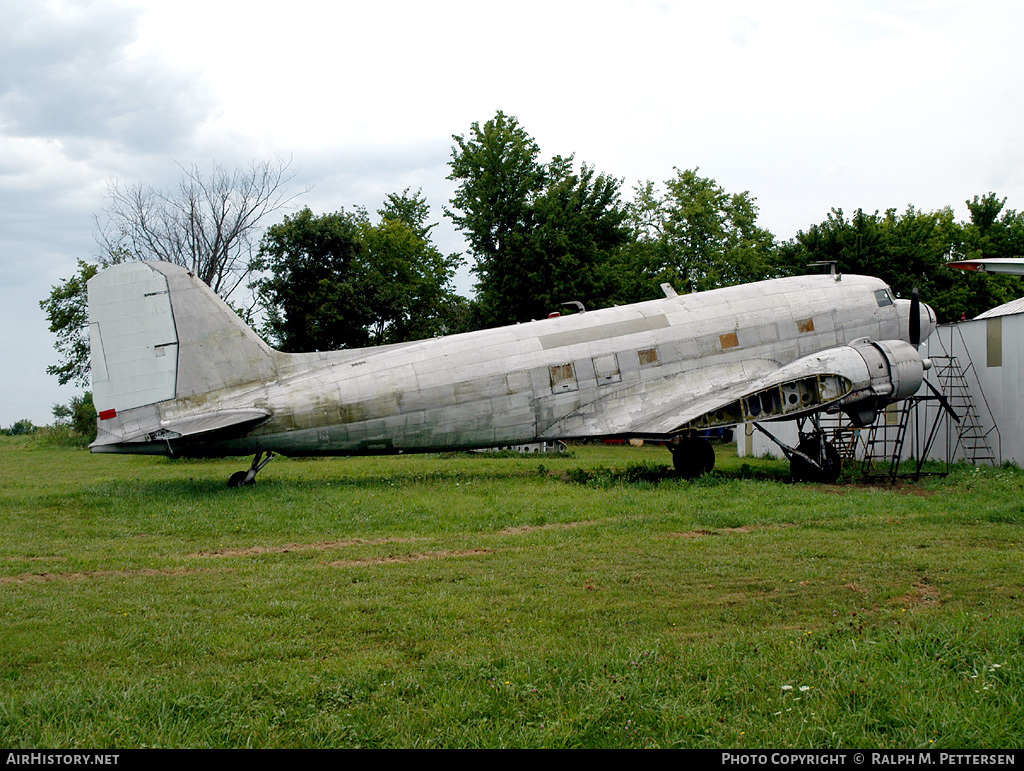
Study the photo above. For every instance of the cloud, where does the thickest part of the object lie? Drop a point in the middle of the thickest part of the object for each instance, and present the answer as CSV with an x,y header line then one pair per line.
x,y
79,104
806,105
69,74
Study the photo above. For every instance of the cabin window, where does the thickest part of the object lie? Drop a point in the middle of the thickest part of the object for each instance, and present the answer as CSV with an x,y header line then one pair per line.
x,y
883,298
648,357
563,378
607,369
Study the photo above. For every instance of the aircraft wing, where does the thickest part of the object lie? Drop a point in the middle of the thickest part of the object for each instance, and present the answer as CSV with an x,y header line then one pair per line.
x,y
785,393
1012,265
853,377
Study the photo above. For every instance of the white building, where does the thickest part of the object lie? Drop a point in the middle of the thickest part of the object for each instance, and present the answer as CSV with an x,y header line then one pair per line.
x,y
990,351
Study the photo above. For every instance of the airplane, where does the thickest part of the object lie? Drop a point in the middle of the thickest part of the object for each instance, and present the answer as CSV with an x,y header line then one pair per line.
x,y
176,372
1011,265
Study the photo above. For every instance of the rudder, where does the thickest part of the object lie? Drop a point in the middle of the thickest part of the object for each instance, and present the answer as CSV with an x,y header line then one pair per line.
x,y
159,333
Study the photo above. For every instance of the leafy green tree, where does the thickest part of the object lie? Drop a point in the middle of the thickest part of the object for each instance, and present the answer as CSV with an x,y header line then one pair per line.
x,y
910,250
904,250
68,317
83,416
499,177
578,228
694,236
311,294
21,427
713,235
642,265
339,281
540,234
79,415
992,232
406,279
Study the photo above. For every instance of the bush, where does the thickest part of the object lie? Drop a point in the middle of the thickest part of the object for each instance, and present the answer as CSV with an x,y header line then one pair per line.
x,y
77,416
20,428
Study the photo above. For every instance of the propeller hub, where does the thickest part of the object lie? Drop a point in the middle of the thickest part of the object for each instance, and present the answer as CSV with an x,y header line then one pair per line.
x,y
917,320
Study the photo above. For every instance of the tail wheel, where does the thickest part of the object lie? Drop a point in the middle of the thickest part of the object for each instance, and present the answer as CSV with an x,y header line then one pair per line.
x,y
240,479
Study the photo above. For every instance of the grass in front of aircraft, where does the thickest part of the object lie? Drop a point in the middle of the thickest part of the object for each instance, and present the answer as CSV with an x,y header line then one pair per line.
x,y
584,600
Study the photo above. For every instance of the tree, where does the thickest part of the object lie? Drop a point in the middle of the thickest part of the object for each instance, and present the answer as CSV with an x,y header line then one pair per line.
x,y
68,316
910,250
79,415
903,250
21,427
339,281
208,224
499,178
993,231
642,265
578,227
539,234
694,236
406,279
311,295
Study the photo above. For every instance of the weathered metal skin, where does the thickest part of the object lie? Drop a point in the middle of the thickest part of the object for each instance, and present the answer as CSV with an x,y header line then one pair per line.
x,y
652,370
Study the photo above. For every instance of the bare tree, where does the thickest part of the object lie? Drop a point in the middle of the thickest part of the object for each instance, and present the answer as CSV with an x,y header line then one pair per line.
x,y
209,224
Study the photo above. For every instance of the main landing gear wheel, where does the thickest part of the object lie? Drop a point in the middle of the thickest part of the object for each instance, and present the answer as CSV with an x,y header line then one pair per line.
x,y
824,455
692,456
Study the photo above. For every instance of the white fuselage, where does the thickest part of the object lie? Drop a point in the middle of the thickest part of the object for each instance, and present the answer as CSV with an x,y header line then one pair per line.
x,y
620,371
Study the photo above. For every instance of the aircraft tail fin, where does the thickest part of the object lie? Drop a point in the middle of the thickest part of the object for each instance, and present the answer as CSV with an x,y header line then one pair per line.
x,y
158,333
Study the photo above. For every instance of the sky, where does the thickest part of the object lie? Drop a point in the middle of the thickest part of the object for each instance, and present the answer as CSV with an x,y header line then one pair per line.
x,y
808,106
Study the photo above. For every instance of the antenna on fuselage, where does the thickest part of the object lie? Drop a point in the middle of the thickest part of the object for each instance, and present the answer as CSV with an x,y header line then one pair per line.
x,y
831,266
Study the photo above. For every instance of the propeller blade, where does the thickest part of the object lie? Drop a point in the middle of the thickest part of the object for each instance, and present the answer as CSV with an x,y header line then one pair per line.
x,y
915,318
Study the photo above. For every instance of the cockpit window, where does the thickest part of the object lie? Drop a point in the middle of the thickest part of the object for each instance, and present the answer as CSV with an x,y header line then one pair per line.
x,y
883,297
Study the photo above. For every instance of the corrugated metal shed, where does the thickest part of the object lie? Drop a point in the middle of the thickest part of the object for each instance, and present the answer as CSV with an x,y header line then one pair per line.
x,y
1007,309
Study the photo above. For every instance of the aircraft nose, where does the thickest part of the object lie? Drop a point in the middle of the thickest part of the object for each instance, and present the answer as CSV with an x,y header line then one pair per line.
x,y
917,320
928,321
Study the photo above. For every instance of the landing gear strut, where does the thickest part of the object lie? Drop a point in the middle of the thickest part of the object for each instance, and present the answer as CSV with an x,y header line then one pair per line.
x,y
692,455
243,478
814,459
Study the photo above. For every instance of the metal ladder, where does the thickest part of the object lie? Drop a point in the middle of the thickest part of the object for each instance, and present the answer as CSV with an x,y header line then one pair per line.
x,y
877,447
972,440
842,434
883,442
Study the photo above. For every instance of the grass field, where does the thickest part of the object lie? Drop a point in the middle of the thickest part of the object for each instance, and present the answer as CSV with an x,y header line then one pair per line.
x,y
585,600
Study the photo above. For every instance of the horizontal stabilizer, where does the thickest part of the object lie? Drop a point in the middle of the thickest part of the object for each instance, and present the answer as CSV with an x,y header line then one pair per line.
x,y
228,421
181,435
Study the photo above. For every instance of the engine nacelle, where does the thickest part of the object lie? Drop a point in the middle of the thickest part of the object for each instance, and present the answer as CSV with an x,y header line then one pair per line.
x,y
895,371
